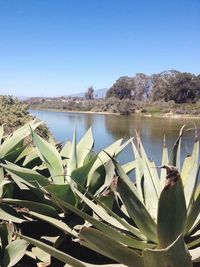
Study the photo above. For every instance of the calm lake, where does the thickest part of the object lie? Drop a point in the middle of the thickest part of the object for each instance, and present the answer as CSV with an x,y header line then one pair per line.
x,y
109,128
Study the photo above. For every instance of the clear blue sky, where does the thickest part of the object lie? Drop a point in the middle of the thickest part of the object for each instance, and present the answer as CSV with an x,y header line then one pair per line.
x,y
58,47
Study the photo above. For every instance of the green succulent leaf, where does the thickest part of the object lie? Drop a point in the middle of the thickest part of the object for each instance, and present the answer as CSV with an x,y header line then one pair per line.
x,y
172,214
193,173
33,206
194,211
49,154
5,236
129,166
7,213
14,251
72,162
63,191
97,179
174,158
55,222
28,175
113,249
175,255
53,252
165,161
104,158
80,174
134,206
139,172
12,142
84,147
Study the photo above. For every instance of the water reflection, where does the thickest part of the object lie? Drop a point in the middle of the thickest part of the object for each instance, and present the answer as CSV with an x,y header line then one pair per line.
x,y
108,128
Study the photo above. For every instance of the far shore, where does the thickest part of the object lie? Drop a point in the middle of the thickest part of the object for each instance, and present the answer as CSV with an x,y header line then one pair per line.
x,y
137,113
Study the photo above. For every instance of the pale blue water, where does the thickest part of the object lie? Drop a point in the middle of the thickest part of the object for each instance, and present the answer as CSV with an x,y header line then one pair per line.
x,y
109,128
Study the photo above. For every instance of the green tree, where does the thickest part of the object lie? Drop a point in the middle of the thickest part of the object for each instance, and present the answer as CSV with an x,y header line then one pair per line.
x,y
180,87
124,87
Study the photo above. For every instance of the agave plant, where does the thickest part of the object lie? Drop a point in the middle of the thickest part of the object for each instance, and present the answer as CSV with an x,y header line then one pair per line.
x,y
58,170
157,219
46,169
14,148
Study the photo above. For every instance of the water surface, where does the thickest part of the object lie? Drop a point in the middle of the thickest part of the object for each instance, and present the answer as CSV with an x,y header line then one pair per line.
x,y
109,128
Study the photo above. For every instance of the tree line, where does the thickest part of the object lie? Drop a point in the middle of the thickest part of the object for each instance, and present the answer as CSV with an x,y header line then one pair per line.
x,y
181,87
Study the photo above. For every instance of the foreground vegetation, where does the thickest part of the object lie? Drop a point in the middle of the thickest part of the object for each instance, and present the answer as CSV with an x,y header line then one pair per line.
x,y
69,205
14,114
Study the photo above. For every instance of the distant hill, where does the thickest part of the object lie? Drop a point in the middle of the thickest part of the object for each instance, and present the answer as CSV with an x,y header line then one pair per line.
x,y
100,93
23,98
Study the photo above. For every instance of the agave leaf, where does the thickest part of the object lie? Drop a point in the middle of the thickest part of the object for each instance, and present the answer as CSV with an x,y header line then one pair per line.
x,y
32,159
195,253
43,257
97,249
15,154
186,168
151,183
3,184
129,166
130,241
113,249
134,206
165,161
62,191
152,173
49,154
66,151
192,177
135,231
53,252
175,255
5,236
172,214
109,169
194,211
72,162
9,214
103,157
22,184
1,175
97,180
194,243
13,253
33,206
55,222
138,172
84,146
12,142
150,188
80,174
26,151
26,174
174,158
100,211
122,147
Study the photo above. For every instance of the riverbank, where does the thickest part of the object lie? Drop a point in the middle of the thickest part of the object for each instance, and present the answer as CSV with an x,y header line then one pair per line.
x,y
76,111
136,113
